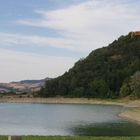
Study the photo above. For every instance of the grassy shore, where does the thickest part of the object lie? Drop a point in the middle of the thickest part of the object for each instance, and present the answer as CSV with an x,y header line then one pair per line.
x,y
81,138
3,138
72,138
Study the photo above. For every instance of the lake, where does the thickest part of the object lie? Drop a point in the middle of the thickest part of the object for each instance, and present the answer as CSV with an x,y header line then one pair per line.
x,y
64,119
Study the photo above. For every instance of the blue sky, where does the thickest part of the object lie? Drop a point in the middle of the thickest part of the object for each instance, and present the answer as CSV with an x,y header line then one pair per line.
x,y
43,38
11,11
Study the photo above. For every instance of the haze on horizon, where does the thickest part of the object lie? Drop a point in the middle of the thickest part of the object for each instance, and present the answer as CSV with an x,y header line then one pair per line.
x,y
44,38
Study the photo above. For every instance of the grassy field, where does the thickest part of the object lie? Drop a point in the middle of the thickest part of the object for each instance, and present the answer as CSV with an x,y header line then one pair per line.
x,y
80,138
73,138
3,138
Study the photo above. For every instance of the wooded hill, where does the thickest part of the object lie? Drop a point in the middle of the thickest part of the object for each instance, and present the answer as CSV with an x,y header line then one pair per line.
x,y
108,72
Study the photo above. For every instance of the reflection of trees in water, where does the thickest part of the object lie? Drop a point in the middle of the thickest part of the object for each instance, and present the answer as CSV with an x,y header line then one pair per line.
x,y
107,129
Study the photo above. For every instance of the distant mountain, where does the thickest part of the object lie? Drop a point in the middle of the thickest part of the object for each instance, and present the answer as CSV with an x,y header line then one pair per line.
x,y
35,81
25,86
30,82
105,73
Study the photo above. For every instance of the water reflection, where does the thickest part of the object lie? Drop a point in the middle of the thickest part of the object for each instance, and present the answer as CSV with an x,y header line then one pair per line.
x,y
66,119
107,129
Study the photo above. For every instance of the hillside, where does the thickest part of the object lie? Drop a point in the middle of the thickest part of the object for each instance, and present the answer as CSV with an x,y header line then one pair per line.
x,y
106,73
25,86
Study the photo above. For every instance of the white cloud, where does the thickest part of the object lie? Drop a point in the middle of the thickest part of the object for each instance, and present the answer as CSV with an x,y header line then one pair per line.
x,y
82,28
8,39
18,66
91,24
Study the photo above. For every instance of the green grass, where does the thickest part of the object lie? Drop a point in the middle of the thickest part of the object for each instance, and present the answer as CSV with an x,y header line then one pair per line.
x,y
79,138
3,138
72,138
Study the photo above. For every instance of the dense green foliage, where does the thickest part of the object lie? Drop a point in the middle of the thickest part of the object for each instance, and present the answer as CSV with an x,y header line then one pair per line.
x,y
102,74
135,84
79,138
132,86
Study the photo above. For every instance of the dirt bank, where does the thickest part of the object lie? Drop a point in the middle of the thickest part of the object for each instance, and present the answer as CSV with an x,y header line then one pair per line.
x,y
60,100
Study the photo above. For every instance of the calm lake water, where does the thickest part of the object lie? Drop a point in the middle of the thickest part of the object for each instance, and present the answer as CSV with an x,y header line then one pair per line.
x,y
66,119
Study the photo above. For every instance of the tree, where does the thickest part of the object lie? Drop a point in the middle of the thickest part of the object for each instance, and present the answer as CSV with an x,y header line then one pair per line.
x,y
99,88
125,90
135,84
102,73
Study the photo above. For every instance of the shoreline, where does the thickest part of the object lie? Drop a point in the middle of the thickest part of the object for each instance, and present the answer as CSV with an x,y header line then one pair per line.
x,y
133,114
61,100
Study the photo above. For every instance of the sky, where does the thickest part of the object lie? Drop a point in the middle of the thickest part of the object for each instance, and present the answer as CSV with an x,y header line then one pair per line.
x,y
44,38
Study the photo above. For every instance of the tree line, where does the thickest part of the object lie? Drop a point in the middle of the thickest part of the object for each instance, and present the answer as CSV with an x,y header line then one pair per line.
x,y
108,72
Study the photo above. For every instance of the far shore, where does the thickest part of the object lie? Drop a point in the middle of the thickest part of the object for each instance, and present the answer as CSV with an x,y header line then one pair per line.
x,y
62,100
133,114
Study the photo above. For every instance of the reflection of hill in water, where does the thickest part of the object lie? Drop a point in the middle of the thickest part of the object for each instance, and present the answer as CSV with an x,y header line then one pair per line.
x,y
108,129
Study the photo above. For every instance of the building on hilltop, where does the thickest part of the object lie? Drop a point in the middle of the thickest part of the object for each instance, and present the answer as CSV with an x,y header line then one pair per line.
x,y
133,34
